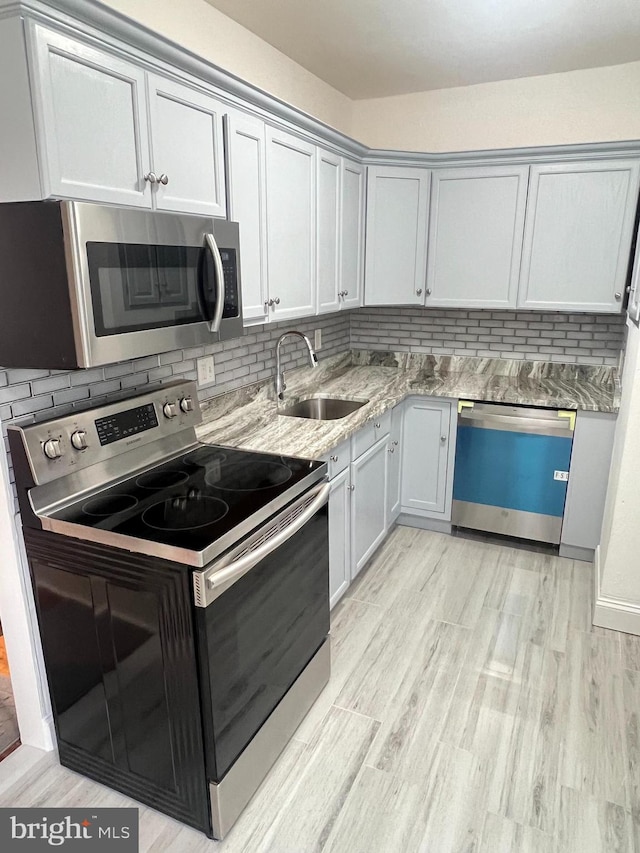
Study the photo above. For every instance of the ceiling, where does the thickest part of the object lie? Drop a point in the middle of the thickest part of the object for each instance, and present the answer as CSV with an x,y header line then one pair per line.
x,y
374,48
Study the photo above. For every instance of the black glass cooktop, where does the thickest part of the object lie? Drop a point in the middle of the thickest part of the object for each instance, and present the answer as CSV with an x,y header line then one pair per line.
x,y
193,500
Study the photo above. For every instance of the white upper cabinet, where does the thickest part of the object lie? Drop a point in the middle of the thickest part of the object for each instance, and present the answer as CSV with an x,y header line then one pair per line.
x,y
108,132
476,228
328,225
247,190
187,153
91,121
352,235
578,233
291,225
396,249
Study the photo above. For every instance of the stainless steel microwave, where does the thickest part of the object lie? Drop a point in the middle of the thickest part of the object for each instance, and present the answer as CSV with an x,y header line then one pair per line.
x,y
88,284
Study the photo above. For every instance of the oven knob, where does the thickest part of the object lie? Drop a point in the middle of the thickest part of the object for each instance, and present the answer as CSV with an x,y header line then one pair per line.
x,y
169,410
52,449
186,404
79,439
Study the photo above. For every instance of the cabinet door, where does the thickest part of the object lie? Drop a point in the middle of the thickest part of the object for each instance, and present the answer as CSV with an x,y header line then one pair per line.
x,y
634,295
291,229
352,235
247,205
186,148
394,465
92,121
328,225
476,228
426,468
368,502
339,536
396,250
578,232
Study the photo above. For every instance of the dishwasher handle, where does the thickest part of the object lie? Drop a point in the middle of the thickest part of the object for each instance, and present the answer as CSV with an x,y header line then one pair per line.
x,y
562,421
219,577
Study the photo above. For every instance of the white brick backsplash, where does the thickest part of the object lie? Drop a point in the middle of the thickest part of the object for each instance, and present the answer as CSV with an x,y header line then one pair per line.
x,y
581,338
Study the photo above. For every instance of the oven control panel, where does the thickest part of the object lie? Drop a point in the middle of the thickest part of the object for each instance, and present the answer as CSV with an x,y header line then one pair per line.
x,y
70,444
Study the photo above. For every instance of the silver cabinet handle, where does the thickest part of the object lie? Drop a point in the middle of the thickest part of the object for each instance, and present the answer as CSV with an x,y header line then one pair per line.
x,y
151,177
419,292
428,291
163,179
618,297
395,443
377,426
277,300
240,567
351,487
333,458
217,262
346,292
443,439
392,450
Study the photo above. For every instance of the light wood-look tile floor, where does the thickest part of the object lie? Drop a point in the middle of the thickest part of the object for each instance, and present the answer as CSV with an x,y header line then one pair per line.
x,y
472,707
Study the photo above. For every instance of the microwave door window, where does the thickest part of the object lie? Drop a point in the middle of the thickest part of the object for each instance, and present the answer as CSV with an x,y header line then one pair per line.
x,y
136,287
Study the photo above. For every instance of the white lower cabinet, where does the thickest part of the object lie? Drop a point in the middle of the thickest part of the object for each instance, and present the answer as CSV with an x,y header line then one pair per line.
x,y
365,497
428,447
369,502
339,536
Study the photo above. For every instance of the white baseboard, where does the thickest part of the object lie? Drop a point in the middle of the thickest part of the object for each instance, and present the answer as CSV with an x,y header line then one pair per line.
x,y
613,613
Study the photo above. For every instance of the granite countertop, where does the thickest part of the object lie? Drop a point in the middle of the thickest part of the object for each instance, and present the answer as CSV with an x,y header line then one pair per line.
x,y
248,418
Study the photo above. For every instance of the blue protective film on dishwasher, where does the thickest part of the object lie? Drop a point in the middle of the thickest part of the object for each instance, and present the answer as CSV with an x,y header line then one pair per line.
x,y
514,470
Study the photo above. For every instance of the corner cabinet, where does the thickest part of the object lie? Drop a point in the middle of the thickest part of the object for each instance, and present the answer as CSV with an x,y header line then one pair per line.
x,y
291,225
476,227
428,451
109,132
396,247
578,233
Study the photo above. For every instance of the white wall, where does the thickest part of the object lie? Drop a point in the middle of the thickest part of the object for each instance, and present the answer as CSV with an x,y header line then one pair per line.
x,y
595,105
619,558
205,31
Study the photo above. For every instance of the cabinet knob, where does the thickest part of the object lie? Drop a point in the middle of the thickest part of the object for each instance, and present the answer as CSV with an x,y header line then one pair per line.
x,y
392,450
428,291
346,292
419,292
151,178
333,458
618,296
163,179
351,487
395,443
276,301
443,439
377,426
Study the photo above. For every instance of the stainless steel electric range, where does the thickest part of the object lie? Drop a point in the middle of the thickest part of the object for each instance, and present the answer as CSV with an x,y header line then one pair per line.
x,y
183,600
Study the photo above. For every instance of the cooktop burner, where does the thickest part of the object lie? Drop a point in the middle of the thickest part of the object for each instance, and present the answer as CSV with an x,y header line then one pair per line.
x,y
244,475
187,512
161,479
110,504
195,499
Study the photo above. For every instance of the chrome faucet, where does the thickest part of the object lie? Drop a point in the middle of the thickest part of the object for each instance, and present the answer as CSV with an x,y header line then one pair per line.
x,y
313,358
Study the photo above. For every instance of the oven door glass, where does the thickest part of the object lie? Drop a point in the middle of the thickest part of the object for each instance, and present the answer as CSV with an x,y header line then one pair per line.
x,y
136,286
258,636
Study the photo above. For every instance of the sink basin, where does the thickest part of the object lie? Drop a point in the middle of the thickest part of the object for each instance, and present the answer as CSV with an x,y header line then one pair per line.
x,y
323,408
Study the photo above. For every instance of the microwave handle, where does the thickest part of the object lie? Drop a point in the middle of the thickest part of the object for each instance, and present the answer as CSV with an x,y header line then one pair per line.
x,y
212,246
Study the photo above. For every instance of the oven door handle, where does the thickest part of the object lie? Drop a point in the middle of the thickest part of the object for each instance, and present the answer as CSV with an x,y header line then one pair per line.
x,y
214,251
215,577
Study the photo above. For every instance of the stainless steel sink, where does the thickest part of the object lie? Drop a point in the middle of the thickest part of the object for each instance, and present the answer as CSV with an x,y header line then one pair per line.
x,y
323,408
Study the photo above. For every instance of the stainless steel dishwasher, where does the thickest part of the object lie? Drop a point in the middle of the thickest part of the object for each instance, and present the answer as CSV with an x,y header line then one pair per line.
x,y
512,469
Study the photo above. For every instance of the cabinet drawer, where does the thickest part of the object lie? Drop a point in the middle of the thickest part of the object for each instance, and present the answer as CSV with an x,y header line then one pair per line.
x,y
338,458
369,434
